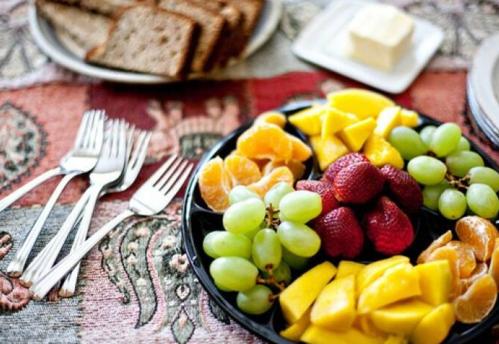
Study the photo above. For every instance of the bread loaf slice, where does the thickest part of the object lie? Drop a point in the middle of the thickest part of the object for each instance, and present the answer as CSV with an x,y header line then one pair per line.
x,y
211,27
233,33
87,29
106,7
251,10
147,39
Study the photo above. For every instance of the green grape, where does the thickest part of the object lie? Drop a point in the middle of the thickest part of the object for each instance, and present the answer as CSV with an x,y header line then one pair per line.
x,y
223,244
445,139
461,162
276,193
463,145
240,193
294,261
251,234
257,300
233,273
301,206
427,170
266,250
244,216
431,194
299,238
222,288
407,142
484,175
281,274
482,200
452,204
427,134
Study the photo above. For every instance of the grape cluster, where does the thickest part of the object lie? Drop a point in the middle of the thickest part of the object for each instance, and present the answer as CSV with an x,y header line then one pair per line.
x,y
454,177
262,241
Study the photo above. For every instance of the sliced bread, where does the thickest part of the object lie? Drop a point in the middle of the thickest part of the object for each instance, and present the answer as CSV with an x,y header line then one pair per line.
x,y
87,29
233,33
251,10
211,26
147,39
106,7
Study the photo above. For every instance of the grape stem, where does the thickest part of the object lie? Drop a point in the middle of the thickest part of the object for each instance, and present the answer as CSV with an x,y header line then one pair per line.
x,y
459,183
271,281
270,219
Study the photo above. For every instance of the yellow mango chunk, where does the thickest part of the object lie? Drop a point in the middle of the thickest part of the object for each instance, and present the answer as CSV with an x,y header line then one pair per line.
x,y
376,269
435,280
362,103
335,120
380,152
296,330
272,117
400,318
388,119
435,326
409,118
364,323
327,150
355,135
397,283
347,268
319,335
309,120
299,295
396,339
335,305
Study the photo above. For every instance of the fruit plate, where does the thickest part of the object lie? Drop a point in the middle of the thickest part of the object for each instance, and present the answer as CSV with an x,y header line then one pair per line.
x,y
198,220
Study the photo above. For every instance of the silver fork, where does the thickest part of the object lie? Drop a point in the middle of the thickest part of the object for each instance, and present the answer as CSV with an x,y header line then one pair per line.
x,y
81,159
108,171
134,165
150,199
84,153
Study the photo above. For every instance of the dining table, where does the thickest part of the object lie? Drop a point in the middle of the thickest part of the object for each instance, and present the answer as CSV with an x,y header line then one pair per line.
x,y
137,284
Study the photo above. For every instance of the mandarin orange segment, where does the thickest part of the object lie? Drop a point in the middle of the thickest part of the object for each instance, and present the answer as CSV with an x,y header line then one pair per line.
x,y
494,263
439,242
480,233
465,256
480,270
449,254
215,184
272,117
301,151
296,167
280,174
265,141
477,302
243,171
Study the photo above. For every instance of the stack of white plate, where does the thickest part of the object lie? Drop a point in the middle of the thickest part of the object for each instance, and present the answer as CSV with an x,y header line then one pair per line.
x,y
483,89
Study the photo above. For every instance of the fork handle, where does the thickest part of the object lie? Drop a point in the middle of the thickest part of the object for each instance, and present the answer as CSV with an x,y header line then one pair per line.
x,y
14,196
17,264
40,288
69,285
46,258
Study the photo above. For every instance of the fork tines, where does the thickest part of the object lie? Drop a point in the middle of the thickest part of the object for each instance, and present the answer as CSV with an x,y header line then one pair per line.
x,y
172,173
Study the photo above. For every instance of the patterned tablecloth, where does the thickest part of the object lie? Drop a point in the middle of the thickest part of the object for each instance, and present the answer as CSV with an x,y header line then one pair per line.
x,y
137,286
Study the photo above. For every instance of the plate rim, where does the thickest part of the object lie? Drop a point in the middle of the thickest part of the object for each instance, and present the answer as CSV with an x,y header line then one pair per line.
x,y
61,56
260,330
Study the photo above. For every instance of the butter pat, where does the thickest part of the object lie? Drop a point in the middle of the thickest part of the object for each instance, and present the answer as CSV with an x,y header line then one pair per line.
x,y
379,35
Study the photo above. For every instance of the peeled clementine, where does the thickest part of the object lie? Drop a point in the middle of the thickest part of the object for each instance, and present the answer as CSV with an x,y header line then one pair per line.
x,y
296,167
479,233
215,184
272,117
494,263
280,174
301,151
480,270
450,254
243,171
465,256
477,302
265,141
439,242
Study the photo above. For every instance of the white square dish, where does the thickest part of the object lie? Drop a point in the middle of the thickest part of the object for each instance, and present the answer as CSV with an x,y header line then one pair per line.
x,y
324,40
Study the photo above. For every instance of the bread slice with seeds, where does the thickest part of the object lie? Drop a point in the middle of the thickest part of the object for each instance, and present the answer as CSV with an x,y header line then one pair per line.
x,y
147,39
86,29
211,27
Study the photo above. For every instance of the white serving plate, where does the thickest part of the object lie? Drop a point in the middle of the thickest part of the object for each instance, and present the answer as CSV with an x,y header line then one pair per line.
x,y
46,38
322,42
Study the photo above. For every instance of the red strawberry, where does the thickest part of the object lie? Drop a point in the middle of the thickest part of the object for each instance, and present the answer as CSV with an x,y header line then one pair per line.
x,y
358,183
340,233
403,188
341,163
324,190
389,229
